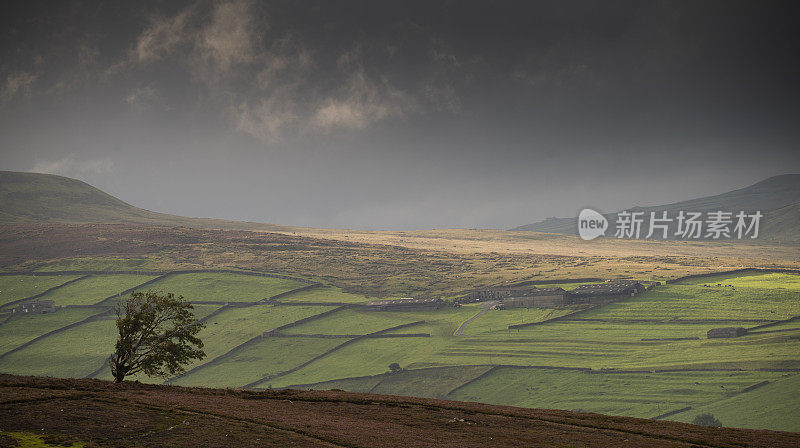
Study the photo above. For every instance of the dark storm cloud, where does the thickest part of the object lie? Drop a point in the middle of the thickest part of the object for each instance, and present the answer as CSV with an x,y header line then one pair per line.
x,y
402,114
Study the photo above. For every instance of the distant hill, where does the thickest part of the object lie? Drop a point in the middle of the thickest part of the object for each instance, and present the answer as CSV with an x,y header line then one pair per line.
x,y
778,198
43,198
47,198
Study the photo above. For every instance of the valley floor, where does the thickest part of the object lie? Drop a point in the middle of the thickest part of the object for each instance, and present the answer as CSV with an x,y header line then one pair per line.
x,y
646,356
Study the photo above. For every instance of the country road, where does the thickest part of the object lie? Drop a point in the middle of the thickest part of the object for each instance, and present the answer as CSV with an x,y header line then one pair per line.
x,y
486,307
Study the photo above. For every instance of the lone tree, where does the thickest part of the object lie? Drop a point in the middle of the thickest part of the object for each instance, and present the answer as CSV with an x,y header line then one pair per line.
x,y
706,420
157,336
395,367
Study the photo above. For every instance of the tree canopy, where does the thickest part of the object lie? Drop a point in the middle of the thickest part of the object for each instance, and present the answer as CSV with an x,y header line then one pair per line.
x,y
157,336
707,420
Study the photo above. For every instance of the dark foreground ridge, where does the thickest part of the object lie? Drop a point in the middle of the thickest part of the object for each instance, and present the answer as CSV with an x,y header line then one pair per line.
x,y
142,415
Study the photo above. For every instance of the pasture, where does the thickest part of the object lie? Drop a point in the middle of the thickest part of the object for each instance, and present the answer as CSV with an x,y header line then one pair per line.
x,y
365,357
773,406
739,297
74,353
641,356
358,321
499,320
641,394
224,287
268,356
94,288
435,382
18,287
21,329
202,310
633,340
324,294
236,325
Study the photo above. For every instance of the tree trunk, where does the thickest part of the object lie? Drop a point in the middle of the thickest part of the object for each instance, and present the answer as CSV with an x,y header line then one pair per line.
x,y
117,369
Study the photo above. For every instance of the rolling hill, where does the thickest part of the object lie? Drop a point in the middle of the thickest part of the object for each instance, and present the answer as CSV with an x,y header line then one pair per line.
x,y
47,198
777,197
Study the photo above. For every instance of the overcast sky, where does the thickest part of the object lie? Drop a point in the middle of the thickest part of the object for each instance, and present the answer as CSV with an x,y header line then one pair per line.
x,y
401,115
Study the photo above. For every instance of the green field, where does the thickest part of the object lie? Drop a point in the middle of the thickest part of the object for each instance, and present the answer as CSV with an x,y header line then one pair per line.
x,y
326,294
753,296
94,288
612,340
234,326
436,382
350,322
780,326
642,394
368,357
499,320
772,406
266,357
17,287
225,287
635,334
22,328
202,310
76,352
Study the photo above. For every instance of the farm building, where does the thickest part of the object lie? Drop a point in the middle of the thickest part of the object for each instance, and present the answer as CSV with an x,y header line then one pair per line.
x,y
540,298
521,296
35,306
405,304
726,332
605,292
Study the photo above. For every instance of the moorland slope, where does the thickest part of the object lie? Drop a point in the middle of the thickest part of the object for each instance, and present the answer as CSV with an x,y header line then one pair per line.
x,y
99,413
47,198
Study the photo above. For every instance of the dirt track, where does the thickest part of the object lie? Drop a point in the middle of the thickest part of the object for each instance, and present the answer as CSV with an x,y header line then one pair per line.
x,y
158,416
486,306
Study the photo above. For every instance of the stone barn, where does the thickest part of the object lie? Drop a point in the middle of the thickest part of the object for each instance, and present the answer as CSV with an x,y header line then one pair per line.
x,y
726,332
536,298
605,292
520,297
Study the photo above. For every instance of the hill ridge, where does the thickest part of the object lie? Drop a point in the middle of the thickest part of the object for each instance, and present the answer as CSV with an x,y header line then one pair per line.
x,y
49,198
778,197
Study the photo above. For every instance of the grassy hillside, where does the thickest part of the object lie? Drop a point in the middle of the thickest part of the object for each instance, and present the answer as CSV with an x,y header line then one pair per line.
x,y
37,198
776,197
772,405
30,197
97,413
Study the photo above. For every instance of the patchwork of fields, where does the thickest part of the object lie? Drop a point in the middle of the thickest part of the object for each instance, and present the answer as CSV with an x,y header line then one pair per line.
x,y
645,356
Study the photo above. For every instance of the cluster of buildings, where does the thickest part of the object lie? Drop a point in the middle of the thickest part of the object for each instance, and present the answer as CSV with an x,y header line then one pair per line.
x,y
525,296
35,306
533,297
520,296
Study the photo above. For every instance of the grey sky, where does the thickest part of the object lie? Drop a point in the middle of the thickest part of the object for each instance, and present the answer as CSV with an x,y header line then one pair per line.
x,y
386,115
